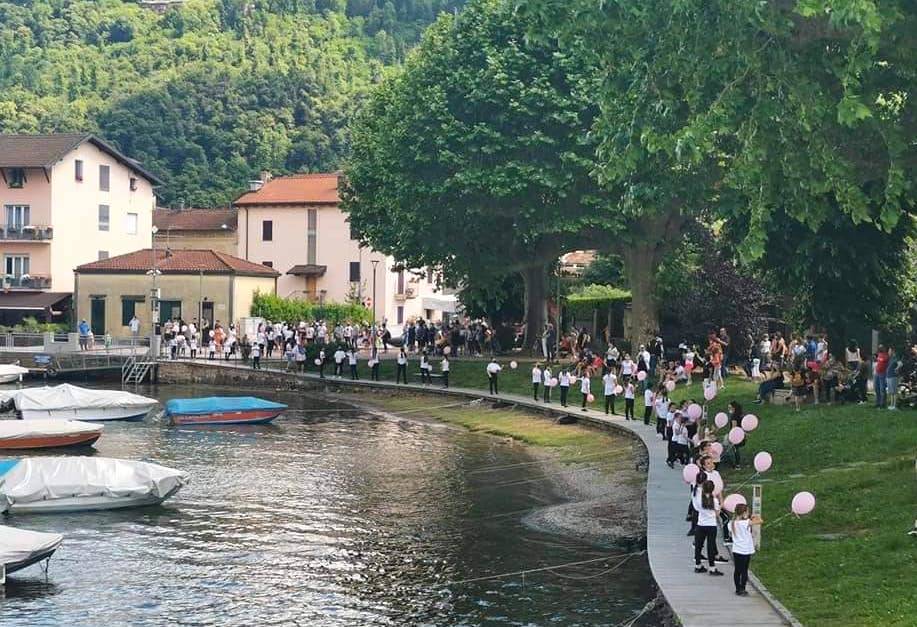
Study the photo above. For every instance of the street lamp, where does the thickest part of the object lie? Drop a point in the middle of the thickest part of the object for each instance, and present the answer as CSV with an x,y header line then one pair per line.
x,y
154,297
375,263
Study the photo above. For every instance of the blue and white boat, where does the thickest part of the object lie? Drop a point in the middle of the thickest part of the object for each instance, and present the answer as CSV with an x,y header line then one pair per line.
x,y
222,410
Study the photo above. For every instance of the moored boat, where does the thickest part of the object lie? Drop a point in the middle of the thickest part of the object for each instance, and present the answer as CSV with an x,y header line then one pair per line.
x,y
10,373
222,410
70,402
37,434
53,485
20,548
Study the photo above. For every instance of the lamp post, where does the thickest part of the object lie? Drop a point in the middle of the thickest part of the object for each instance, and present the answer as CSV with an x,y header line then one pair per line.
x,y
321,303
154,299
375,263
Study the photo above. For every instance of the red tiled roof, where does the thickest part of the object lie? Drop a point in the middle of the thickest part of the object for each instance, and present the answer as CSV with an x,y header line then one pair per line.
x,y
195,219
177,262
298,189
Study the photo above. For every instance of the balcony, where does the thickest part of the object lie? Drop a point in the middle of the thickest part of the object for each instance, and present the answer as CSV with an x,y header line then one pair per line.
x,y
26,282
409,292
26,233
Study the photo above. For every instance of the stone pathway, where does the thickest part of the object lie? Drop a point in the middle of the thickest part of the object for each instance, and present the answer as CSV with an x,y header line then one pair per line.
x,y
697,599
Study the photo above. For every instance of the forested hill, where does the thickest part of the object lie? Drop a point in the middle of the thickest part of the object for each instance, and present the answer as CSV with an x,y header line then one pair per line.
x,y
207,94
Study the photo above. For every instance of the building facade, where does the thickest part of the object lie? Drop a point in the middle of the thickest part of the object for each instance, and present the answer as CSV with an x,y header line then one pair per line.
x,y
67,199
193,285
294,224
200,229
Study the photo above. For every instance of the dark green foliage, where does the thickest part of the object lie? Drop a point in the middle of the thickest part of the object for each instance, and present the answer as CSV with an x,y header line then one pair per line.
x,y
208,94
295,310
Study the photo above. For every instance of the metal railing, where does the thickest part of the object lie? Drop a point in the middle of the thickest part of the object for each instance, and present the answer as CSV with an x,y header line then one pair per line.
x,y
27,282
27,233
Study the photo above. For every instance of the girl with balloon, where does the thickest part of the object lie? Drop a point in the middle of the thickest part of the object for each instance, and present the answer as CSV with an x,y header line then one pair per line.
x,y
709,465
743,545
708,510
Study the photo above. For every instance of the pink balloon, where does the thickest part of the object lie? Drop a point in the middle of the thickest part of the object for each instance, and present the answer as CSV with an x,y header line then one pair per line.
x,y
696,439
717,484
670,386
736,435
447,350
730,502
572,379
641,375
318,362
750,422
710,393
721,420
695,411
590,398
716,448
513,365
763,461
619,390
689,472
553,382
803,503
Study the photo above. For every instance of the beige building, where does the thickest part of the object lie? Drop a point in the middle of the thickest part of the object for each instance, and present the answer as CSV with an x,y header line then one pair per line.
x,y
295,225
201,229
66,200
193,285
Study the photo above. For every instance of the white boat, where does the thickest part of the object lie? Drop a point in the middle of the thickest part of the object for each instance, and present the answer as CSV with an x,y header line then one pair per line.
x,y
20,548
35,434
10,373
70,402
33,485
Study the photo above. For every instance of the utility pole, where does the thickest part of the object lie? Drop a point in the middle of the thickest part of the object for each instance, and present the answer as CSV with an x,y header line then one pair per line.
x,y
154,300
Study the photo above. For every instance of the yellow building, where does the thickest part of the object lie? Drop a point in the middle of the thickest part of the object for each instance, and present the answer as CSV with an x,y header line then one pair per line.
x,y
193,285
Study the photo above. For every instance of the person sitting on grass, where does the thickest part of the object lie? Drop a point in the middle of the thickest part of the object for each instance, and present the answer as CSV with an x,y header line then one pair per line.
x,y
773,380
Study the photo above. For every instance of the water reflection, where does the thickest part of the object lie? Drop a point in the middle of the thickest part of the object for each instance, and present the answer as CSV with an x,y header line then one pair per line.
x,y
325,518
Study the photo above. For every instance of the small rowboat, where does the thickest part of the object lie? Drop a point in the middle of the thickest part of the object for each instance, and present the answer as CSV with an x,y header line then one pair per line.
x,y
10,373
20,548
34,434
222,410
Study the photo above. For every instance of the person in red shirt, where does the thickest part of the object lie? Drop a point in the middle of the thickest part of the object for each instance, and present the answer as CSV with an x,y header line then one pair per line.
x,y
881,367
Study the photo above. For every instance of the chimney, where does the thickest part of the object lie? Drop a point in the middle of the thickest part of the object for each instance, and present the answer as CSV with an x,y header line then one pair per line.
x,y
265,176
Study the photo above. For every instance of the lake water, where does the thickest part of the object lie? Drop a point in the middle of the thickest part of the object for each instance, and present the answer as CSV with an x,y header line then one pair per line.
x,y
326,518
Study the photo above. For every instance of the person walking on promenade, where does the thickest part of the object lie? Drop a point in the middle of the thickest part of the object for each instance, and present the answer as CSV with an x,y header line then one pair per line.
x,y
546,383
321,363
256,356
629,392
564,383
339,356
585,389
402,367
610,382
444,368
493,371
536,380
352,362
708,510
743,546
648,402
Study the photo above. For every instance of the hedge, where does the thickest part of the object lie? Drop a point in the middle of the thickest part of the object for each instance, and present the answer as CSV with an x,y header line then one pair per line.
x,y
275,308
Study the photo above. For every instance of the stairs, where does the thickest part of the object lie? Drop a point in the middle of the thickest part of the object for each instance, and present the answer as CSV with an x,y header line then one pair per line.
x,y
135,369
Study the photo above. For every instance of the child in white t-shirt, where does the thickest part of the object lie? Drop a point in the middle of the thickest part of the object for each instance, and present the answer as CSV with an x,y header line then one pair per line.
x,y
743,545
648,400
629,392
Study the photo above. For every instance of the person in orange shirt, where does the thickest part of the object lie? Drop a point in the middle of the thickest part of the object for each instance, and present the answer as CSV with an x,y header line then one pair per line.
x,y
715,356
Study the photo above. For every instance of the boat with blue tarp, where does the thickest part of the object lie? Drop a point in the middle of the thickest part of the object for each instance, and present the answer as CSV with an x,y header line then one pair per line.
x,y
222,410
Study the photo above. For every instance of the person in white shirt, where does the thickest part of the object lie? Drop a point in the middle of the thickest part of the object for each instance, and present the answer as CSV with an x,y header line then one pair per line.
x,y
546,382
256,355
536,380
678,445
649,399
610,382
321,363
134,324
629,391
444,368
743,546
708,510
661,402
709,467
585,388
493,371
352,362
424,373
322,333
627,367
339,357
564,381
402,367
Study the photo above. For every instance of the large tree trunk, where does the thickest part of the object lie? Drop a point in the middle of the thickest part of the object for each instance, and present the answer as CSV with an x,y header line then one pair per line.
x,y
536,287
640,261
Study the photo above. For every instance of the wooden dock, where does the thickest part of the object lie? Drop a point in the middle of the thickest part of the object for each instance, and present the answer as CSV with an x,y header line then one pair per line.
x,y
696,599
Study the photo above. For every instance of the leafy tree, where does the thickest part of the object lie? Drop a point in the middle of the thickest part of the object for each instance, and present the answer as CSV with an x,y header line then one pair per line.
x,y
475,159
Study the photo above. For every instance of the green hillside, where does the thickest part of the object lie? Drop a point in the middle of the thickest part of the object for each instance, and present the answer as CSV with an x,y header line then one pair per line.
x,y
207,94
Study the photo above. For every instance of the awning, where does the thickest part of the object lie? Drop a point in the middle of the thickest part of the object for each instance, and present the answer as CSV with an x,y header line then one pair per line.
x,y
31,301
444,303
309,269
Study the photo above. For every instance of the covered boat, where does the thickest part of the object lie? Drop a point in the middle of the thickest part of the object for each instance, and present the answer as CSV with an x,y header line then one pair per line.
x,y
20,548
70,402
69,484
10,373
222,410
32,434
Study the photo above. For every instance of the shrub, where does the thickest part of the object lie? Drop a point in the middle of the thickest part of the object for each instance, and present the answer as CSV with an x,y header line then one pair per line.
x,y
275,308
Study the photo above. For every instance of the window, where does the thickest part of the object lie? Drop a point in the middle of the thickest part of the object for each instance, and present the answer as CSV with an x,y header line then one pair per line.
x,y
354,271
399,314
128,310
15,177
133,183
400,282
17,216
130,224
16,265
78,169
104,178
429,313
103,254
104,215
269,264
267,230
311,236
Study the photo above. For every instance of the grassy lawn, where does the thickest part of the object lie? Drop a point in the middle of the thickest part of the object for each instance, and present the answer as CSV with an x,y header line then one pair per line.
x,y
850,561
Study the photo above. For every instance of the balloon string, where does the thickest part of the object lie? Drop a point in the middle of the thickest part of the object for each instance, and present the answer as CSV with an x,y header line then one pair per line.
x,y
774,523
744,483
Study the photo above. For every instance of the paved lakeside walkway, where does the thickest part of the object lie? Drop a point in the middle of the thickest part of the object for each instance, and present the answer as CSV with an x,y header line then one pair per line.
x,y
696,599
